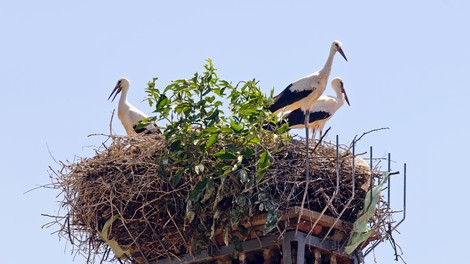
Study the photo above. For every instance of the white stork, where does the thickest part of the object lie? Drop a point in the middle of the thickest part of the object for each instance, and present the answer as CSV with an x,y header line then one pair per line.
x,y
129,114
305,91
321,111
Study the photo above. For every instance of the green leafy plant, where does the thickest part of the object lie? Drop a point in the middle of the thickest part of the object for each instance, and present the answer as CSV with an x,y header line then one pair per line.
x,y
210,148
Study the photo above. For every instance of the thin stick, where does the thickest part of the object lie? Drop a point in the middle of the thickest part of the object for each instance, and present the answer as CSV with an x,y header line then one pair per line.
x,y
365,133
177,228
307,170
321,139
111,123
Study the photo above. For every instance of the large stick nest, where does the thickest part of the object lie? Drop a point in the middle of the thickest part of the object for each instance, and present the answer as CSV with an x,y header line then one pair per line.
x,y
130,182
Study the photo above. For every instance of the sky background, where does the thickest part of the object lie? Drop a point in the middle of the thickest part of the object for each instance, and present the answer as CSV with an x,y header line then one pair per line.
x,y
60,60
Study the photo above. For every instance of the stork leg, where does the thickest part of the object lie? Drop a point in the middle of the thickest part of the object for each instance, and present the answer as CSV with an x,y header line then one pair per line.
x,y
307,164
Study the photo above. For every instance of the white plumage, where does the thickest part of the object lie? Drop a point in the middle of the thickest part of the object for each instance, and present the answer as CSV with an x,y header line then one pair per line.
x,y
321,111
127,113
305,91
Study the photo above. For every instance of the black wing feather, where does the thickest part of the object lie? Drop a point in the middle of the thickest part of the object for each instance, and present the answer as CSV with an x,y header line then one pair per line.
x,y
144,130
297,117
287,97
319,115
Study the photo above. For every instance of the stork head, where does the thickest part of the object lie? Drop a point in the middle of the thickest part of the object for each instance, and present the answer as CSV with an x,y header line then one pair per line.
x,y
338,46
121,84
338,86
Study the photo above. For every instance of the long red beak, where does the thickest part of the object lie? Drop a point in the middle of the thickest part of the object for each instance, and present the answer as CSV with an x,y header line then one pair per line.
x,y
340,50
117,89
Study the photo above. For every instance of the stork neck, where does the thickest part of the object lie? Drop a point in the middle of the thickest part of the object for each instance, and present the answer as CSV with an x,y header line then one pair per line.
x,y
123,98
339,98
339,94
329,62
340,101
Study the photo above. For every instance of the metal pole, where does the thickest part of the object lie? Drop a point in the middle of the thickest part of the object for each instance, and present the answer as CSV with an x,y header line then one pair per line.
x,y
307,164
337,164
388,184
371,181
404,199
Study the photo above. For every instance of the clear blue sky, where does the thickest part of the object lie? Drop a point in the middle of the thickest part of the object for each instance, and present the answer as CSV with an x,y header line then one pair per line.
x,y
407,65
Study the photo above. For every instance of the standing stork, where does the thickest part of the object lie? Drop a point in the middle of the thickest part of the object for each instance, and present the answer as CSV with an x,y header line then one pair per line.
x,y
129,114
305,91
321,111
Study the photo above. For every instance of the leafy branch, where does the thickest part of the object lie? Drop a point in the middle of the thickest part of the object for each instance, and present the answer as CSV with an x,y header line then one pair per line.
x,y
211,148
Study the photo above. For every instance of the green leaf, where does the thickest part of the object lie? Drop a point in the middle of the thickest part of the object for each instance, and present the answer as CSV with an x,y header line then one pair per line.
x,y
209,190
235,126
211,130
211,141
227,172
263,159
162,172
226,129
249,111
248,153
197,191
218,92
271,221
150,102
162,102
232,148
144,122
177,176
220,192
259,174
225,155
214,115
283,129
263,164
253,140
215,219
175,145
190,214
